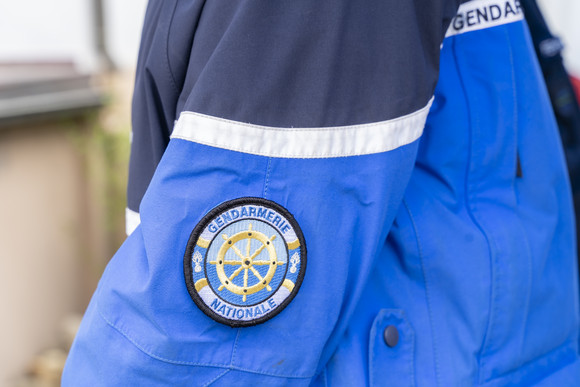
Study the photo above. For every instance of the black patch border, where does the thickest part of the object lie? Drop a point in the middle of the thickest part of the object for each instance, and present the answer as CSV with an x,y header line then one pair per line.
x,y
194,236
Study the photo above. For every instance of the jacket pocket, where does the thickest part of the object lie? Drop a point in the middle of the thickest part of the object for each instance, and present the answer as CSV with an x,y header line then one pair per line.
x,y
391,350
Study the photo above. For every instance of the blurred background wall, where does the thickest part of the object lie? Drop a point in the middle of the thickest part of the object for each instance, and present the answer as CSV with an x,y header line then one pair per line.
x,y
64,144
64,30
66,73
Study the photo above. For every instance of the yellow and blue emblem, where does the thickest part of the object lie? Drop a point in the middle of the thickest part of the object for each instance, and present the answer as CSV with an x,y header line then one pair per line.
x,y
245,261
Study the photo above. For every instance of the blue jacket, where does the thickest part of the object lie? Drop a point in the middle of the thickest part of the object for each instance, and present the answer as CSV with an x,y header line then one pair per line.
x,y
370,194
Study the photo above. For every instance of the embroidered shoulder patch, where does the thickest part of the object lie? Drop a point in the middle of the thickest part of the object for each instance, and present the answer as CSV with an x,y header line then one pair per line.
x,y
245,261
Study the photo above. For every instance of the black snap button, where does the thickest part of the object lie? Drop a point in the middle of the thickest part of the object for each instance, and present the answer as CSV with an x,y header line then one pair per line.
x,y
391,335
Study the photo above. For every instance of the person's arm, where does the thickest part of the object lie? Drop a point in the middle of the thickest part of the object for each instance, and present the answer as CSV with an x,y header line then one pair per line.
x,y
166,41
297,131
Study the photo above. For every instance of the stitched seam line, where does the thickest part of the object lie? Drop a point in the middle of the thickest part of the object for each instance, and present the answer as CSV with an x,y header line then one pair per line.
x,y
410,116
524,369
372,338
526,242
216,378
471,209
166,61
412,352
300,156
303,143
267,178
427,293
232,359
126,336
179,362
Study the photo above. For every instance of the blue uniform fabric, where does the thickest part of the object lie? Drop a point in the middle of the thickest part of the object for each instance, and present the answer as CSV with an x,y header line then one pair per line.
x,y
436,236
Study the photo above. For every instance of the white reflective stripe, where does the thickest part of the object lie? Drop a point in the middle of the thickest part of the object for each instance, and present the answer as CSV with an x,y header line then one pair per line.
x,y
307,143
479,14
132,220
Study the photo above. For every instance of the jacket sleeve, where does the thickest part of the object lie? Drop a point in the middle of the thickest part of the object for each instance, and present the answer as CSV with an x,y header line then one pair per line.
x,y
309,111
158,84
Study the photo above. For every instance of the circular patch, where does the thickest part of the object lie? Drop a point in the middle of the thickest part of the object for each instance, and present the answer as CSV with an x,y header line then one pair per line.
x,y
245,261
